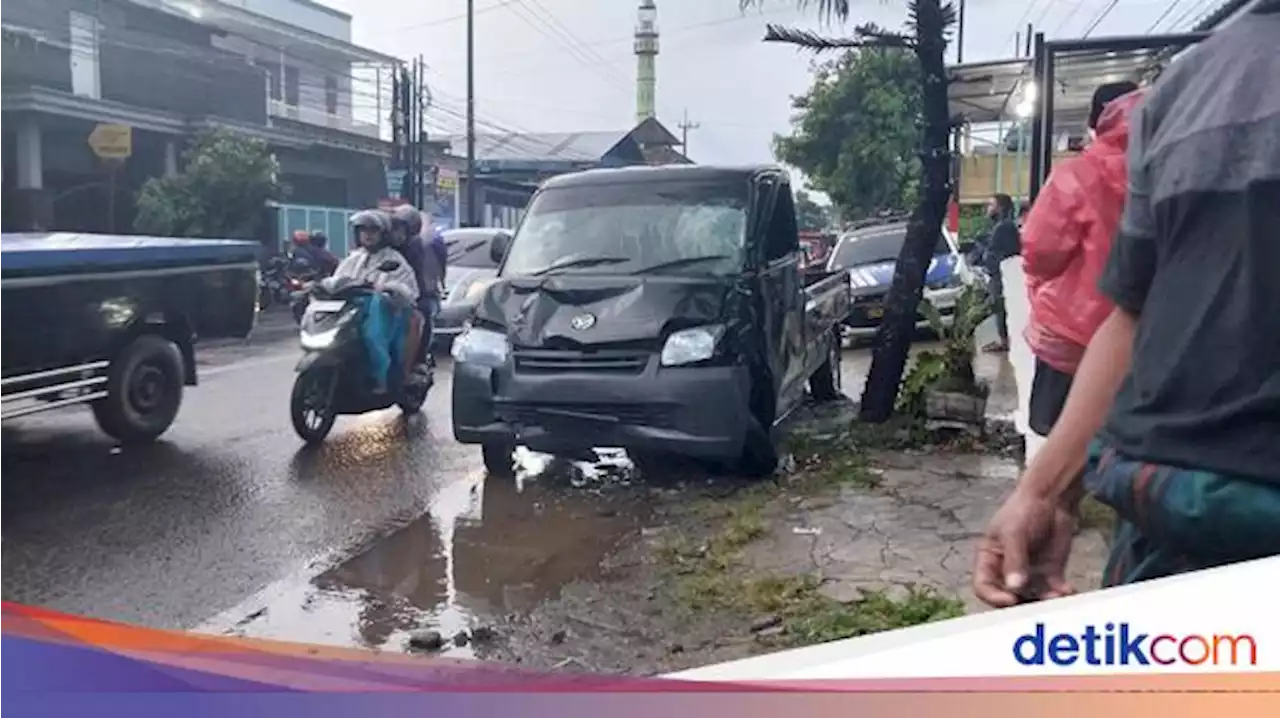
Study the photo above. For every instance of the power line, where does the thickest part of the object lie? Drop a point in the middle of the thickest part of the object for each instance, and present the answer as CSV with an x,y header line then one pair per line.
x,y
1047,7
1017,26
454,18
549,27
1172,6
1194,12
666,33
1075,10
1101,16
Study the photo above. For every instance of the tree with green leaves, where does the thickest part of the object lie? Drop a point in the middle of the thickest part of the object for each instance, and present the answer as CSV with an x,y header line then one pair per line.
x,y
222,189
810,214
854,132
929,26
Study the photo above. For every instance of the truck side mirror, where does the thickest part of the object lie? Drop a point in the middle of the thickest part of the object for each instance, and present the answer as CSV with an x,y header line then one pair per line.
x,y
499,246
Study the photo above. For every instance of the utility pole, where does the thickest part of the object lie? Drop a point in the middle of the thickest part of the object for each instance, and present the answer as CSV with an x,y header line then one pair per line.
x,y
471,213
960,35
684,126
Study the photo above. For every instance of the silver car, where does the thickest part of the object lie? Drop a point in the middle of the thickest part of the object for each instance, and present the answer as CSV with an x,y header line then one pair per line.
x,y
471,270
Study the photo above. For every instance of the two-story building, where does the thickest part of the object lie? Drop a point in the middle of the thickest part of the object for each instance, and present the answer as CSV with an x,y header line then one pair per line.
x,y
285,71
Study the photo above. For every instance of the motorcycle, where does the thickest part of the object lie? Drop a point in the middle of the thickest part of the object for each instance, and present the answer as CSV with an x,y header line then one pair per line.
x,y
271,282
299,289
332,379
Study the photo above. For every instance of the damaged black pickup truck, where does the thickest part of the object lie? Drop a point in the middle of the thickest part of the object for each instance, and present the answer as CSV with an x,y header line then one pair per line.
x,y
661,310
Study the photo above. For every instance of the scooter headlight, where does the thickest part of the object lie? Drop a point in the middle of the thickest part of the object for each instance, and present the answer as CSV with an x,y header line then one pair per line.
x,y
320,340
484,347
688,346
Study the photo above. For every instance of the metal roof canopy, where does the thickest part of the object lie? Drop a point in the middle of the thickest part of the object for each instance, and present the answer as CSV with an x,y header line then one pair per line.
x,y
987,92
1074,68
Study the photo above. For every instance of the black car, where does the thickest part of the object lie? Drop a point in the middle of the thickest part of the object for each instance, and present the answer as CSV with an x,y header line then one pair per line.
x,y
471,270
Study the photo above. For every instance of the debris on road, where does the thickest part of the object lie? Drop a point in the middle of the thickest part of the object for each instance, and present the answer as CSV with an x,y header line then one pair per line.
x,y
426,640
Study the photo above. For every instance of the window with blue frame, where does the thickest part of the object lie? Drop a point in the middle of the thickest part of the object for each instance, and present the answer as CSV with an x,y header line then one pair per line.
x,y
330,220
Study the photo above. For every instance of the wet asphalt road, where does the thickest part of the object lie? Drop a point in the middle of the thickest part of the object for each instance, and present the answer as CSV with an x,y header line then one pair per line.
x,y
350,543
225,504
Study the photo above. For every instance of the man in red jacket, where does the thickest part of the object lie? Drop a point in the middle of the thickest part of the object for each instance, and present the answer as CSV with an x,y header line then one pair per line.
x,y
1065,243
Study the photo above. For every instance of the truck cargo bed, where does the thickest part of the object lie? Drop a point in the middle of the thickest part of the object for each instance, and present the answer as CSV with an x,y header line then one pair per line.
x,y
67,253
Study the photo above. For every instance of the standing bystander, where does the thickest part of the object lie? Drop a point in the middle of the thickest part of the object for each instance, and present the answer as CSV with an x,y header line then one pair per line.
x,y
1180,384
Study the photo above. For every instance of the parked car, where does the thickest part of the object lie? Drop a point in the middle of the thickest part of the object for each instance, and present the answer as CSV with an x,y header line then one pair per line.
x,y
471,270
869,256
660,310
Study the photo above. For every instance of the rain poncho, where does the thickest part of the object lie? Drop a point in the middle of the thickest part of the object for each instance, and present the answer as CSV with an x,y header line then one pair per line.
x,y
383,328
1067,238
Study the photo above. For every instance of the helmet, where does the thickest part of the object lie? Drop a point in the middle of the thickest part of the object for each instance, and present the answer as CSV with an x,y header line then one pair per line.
x,y
371,219
319,239
406,217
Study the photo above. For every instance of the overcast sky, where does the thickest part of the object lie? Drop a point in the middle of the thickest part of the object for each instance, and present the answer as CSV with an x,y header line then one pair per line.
x,y
564,65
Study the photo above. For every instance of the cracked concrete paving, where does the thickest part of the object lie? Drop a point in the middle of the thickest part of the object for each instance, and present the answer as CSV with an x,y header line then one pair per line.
x,y
918,526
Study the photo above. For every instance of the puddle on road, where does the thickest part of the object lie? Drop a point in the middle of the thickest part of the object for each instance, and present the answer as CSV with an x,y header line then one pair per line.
x,y
485,550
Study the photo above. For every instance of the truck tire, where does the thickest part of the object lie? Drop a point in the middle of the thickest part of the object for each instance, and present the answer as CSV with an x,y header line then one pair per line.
x,y
498,460
144,391
759,457
825,384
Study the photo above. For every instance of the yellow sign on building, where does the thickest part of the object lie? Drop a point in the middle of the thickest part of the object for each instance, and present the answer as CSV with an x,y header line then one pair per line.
x,y
112,142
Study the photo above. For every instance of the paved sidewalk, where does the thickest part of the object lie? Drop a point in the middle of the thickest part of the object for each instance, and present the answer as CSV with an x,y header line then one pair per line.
x,y
917,525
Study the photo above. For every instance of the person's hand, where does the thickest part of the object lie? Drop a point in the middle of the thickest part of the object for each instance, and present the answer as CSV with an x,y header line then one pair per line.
x,y
1023,554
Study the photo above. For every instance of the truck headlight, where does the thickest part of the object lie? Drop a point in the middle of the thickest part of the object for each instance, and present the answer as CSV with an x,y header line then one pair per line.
x,y
484,347
691,345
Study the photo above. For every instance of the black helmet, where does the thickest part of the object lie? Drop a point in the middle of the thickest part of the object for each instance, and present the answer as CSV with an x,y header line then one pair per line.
x,y
319,239
408,218
371,219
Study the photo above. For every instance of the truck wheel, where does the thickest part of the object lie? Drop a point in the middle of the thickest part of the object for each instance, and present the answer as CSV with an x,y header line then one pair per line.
x,y
498,460
825,384
311,406
759,457
144,391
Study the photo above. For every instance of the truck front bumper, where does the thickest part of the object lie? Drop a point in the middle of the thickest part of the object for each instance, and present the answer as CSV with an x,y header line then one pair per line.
x,y
701,412
450,321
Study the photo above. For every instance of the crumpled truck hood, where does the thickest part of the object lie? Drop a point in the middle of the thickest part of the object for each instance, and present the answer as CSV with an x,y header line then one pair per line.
x,y
539,312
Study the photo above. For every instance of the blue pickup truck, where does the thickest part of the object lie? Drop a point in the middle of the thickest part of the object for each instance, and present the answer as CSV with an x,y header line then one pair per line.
x,y
869,256
112,322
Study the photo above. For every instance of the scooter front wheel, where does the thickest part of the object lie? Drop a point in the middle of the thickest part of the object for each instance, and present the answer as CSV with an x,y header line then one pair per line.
x,y
311,406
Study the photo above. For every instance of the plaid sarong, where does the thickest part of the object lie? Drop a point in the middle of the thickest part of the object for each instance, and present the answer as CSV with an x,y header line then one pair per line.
x,y
1173,520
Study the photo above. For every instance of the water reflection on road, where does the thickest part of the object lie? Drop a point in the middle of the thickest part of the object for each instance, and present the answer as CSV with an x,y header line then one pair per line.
x,y
485,549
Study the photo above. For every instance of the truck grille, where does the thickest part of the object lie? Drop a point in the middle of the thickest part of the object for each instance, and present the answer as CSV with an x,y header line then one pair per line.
x,y
658,416
546,361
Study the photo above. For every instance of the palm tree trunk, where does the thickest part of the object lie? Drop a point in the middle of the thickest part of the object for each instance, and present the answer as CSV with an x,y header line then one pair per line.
x,y
893,339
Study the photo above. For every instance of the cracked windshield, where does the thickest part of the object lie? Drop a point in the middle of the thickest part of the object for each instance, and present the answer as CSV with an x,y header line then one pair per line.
x,y
626,337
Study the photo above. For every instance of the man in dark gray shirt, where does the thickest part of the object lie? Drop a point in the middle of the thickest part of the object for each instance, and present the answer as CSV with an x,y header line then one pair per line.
x,y
1181,385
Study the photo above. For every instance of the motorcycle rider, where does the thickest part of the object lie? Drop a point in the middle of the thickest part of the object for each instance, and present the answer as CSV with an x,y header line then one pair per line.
x,y
386,322
319,243
428,257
